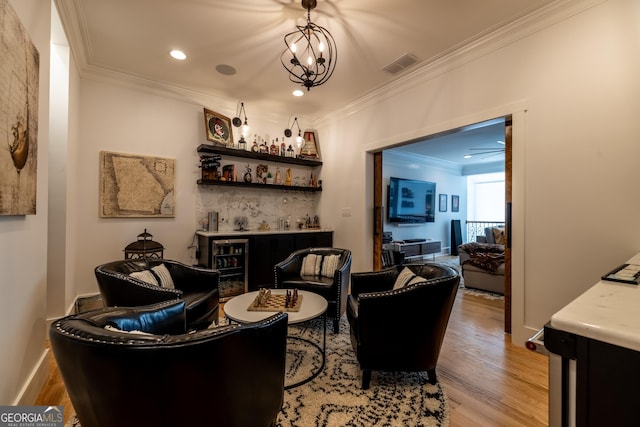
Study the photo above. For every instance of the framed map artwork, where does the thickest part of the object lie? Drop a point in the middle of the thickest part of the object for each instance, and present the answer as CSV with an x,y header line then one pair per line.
x,y
136,186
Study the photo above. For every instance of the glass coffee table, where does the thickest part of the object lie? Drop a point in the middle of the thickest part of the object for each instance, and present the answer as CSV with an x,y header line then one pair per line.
x,y
312,306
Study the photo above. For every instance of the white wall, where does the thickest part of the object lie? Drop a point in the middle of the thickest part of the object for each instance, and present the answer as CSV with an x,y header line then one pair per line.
x,y
57,295
449,181
23,248
572,87
116,117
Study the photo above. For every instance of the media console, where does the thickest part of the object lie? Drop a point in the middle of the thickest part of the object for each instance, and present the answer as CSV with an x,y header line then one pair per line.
x,y
415,250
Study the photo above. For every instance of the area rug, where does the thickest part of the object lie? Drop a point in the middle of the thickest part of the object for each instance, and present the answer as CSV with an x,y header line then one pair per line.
x,y
334,398
483,294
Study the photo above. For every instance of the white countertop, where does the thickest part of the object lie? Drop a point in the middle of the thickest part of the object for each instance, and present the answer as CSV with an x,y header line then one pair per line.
x,y
254,232
608,312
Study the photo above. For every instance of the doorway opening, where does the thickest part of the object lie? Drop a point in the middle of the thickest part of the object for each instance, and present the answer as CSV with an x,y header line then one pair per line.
x,y
447,158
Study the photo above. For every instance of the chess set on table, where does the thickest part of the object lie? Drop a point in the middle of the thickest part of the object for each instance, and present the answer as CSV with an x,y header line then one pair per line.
x,y
266,301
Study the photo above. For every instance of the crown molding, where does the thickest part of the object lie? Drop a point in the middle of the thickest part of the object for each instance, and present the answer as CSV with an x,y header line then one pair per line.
x,y
179,93
418,161
466,52
155,87
72,15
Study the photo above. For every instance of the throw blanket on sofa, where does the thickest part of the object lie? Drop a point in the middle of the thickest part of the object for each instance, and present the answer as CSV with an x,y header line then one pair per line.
x,y
488,257
486,261
474,247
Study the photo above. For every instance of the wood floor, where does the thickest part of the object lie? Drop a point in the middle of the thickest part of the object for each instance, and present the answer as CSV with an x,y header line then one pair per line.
x,y
488,380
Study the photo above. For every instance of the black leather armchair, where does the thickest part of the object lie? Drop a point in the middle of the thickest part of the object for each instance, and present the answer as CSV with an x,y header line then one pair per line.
x,y
402,329
227,375
198,287
334,289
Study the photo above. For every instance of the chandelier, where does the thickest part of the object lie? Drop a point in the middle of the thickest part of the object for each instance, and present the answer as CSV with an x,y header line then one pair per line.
x,y
311,55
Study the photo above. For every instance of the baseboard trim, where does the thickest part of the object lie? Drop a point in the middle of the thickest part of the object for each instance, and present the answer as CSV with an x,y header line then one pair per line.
x,y
35,382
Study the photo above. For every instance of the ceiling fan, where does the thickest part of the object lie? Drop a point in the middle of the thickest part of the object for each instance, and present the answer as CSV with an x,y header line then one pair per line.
x,y
489,151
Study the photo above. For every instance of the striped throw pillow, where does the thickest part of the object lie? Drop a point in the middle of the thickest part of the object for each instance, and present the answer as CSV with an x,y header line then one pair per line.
x,y
403,278
165,277
329,265
146,276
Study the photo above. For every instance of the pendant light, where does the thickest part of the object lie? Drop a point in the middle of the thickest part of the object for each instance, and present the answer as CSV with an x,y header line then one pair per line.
x,y
311,55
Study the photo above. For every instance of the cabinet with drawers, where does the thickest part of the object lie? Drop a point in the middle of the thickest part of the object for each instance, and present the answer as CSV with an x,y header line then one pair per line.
x,y
415,251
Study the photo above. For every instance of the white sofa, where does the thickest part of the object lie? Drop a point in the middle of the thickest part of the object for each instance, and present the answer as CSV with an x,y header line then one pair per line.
x,y
482,266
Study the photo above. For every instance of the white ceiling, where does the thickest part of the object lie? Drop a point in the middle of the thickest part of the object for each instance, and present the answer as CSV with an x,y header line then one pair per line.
x,y
132,38
483,141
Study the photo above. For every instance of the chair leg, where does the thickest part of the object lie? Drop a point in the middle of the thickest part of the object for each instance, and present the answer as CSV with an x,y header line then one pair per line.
x,y
336,326
431,373
366,378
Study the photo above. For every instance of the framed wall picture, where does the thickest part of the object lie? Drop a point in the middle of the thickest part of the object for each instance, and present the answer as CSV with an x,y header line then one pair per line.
x,y
309,148
218,128
19,89
133,185
455,203
442,206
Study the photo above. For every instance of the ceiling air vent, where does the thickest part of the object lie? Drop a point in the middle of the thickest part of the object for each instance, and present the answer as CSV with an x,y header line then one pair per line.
x,y
401,64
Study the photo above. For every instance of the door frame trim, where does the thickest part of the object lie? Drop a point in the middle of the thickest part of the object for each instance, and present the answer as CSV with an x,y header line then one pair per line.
x,y
517,110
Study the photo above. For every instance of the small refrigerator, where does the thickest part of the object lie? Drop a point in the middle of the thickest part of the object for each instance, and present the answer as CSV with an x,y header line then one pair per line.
x,y
231,259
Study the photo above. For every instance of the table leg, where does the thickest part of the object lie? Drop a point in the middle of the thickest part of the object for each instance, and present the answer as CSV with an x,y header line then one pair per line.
x,y
322,354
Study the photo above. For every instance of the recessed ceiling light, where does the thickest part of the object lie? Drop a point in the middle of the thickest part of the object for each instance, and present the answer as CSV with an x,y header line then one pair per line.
x,y
178,54
225,69
298,92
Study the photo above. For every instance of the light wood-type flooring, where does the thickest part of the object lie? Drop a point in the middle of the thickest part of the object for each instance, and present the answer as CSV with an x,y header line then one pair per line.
x,y
489,381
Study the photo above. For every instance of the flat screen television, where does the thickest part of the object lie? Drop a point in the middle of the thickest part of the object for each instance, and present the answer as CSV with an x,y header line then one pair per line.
x,y
411,201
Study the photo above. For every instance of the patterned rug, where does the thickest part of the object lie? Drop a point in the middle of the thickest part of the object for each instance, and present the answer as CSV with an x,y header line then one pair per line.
x,y
334,398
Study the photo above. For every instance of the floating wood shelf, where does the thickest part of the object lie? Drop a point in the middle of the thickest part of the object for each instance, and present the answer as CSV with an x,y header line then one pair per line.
x,y
205,149
257,185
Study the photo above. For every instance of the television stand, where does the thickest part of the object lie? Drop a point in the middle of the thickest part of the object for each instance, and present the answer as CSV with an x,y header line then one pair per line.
x,y
414,251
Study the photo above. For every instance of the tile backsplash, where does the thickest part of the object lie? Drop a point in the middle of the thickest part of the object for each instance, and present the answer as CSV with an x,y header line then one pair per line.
x,y
256,204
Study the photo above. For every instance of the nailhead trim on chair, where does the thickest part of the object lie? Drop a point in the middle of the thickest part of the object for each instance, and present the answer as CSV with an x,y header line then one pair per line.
x,y
405,289
142,283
